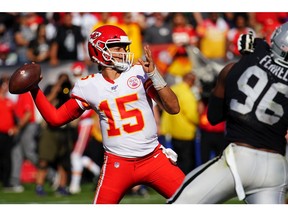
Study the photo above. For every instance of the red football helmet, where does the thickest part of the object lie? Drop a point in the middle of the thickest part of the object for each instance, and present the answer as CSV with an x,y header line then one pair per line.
x,y
98,47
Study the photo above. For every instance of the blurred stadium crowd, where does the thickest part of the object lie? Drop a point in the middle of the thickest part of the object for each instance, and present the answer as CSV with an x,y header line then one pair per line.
x,y
182,43
32,36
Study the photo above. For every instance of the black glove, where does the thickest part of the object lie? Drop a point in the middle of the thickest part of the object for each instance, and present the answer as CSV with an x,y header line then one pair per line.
x,y
245,43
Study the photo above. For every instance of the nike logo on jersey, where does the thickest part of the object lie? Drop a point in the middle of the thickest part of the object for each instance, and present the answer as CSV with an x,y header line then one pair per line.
x,y
155,156
113,88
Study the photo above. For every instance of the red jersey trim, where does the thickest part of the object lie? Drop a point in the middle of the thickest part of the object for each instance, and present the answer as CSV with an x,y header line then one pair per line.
x,y
83,102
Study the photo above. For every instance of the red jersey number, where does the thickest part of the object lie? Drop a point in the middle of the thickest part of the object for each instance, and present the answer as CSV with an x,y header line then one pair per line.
x,y
124,114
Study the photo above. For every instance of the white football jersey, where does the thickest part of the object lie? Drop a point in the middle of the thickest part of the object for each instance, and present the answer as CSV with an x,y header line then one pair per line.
x,y
126,115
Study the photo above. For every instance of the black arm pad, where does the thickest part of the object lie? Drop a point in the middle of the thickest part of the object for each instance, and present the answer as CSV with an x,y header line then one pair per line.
x,y
216,110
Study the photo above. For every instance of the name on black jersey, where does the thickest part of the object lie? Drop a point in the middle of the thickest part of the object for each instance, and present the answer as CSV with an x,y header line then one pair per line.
x,y
277,70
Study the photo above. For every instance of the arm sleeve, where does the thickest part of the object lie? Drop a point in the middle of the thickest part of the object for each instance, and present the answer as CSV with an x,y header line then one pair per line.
x,y
69,111
216,110
149,88
216,105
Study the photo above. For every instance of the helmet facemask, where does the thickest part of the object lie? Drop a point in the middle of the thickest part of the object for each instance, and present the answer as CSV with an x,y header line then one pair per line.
x,y
126,58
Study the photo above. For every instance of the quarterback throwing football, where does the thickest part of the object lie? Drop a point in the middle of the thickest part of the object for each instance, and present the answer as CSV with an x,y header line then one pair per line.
x,y
122,97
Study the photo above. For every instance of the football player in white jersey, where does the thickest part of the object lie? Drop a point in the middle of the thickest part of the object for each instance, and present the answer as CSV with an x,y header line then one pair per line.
x,y
122,96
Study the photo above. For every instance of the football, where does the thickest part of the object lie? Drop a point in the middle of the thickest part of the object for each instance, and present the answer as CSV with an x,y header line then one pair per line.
x,y
24,78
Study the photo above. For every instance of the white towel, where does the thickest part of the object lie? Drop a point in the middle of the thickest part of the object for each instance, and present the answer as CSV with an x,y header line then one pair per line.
x,y
172,155
229,154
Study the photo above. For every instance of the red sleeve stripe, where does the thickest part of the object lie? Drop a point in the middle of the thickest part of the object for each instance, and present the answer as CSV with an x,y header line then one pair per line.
x,y
83,102
149,88
147,84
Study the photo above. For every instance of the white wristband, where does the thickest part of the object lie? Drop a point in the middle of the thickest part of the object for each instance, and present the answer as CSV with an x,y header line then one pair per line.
x,y
157,80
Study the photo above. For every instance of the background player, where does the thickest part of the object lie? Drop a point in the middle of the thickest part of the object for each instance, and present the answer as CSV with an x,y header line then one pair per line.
x,y
122,96
84,128
252,96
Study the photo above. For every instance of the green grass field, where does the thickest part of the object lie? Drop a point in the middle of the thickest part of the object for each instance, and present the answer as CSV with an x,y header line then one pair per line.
x,y
85,197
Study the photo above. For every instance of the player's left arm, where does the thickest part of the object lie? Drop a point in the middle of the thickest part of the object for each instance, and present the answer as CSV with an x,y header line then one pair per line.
x,y
164,96
216,107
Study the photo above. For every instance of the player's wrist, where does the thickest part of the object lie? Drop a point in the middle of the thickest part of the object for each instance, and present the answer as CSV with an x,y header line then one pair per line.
x,y
157,80
34,90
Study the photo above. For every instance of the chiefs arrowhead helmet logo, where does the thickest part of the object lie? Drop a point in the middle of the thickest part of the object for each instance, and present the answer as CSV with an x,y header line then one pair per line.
x,y
95,35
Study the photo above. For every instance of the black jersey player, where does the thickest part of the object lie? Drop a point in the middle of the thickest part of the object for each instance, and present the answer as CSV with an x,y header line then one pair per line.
x,y
252,96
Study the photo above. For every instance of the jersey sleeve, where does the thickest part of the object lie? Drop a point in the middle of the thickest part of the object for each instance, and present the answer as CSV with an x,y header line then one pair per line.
x,y
78,95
